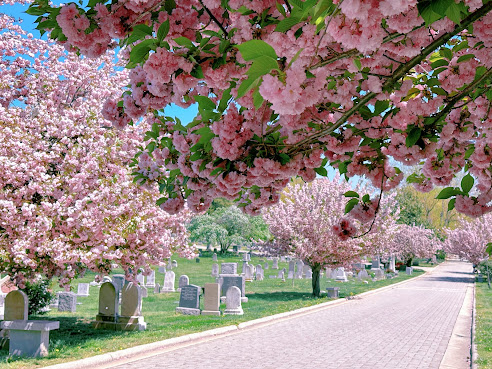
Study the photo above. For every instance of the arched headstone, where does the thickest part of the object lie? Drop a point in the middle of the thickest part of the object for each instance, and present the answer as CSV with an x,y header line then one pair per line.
x,y
108,299
131,300
233,301
16,306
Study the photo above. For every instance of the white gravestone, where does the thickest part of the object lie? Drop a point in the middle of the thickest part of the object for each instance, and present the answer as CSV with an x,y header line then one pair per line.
x,y
292,267
409,270
341,276
228,268
328,272
363,275
259,273
275,263
233,301
214,257
151,280
265,266
215,270
140,279
162,269
83,289
249,272
169,280
174,263
309,274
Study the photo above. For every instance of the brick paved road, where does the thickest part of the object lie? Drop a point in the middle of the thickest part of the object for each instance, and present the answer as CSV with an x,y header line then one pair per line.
x,y
404,327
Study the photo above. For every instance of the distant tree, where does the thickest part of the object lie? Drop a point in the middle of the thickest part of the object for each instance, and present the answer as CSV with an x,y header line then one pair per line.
x,y
226,227
412,211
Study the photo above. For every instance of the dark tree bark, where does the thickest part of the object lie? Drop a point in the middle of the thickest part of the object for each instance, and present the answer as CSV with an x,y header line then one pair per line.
x,y
316,279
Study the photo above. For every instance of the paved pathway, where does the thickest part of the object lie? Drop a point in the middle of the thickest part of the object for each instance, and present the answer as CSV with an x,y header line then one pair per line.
x,y
408,326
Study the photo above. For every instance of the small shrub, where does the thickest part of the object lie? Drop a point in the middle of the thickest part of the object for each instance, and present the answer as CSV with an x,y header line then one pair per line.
x,y
39,296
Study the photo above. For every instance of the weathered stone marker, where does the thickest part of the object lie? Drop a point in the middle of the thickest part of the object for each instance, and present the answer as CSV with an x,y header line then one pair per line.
x,y
189,300
211,300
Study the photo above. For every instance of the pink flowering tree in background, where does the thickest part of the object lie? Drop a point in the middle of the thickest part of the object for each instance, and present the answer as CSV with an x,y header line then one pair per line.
x,y
472,240
306,222
412,241
67,199
285,88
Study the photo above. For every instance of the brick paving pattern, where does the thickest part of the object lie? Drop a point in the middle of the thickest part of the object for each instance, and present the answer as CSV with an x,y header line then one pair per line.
x,y
408,326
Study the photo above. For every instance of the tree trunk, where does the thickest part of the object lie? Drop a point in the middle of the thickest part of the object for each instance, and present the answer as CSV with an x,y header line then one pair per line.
x,y
488,274
316,279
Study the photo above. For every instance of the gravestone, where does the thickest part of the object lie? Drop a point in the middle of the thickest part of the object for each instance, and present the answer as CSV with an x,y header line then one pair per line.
x,y
272,276
83,289
67,301
248,255
248,272
189,300
245,263
169,280
131,318
332,292
245,257
275,263
409,270
281,273
106,278
157,288
214,257
108,307
233,301
282,259
145,291
392,263
197,260
162,269
434,259
169,265
140,279
29,337
119,281
211,299
183,281
228,268
363,275
265,266
151,280
259,273
328,272
215,270
174,263
292,267
300,266
341,276
376,263
227,281
378,274
16,306
309,274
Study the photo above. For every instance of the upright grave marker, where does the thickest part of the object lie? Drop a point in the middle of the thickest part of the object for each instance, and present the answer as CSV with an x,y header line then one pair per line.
x,y
189,300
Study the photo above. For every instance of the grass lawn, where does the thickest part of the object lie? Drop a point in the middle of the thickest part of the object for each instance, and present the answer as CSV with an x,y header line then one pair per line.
x,y
76,339
484,325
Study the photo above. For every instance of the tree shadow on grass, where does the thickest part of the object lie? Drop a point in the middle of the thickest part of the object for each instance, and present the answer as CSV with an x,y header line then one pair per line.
x,y
281,296
73,332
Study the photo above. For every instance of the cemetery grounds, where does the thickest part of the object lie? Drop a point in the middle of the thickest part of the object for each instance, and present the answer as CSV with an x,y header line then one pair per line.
x,y
76,339
483,332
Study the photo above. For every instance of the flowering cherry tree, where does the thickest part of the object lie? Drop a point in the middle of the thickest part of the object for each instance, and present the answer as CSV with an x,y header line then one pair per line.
x,y
414,242
306,222
67,200
286,87
470,239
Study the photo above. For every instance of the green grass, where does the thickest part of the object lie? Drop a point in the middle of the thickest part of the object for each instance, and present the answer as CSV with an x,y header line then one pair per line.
x,y
76,339
484,325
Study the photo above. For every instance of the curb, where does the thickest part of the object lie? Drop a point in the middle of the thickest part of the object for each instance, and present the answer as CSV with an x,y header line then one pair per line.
x,y
106,358
473,348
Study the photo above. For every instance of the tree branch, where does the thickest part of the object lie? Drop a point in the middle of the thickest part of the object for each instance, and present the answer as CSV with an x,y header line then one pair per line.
x,y
400,72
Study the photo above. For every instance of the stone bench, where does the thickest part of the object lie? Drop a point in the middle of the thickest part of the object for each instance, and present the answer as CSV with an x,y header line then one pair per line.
x,y
29,337
332,292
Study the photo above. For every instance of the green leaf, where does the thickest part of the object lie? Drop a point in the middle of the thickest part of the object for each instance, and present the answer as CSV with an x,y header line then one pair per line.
x,y
357,63
439,91
466,57
447,53
380,106
467,183
350,205
469,152
247,85
321,171
204,102
287,23
351,194
160,201
439,63
413,136
448,192
451,204
163,31
257,98
140,51
254,49
184,41
462,45
488,250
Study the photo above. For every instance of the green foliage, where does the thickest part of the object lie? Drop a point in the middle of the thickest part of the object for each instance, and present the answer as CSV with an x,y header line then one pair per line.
x,y
227,226
39,295
412,211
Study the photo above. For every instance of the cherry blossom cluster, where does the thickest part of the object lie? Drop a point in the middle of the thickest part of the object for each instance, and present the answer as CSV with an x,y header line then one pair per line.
x,y
67,199
348,83
470,238
414,242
